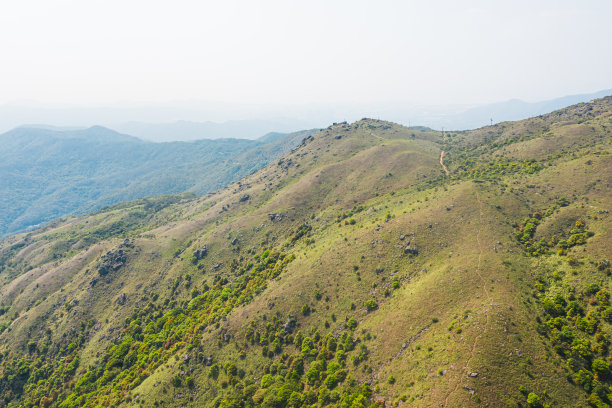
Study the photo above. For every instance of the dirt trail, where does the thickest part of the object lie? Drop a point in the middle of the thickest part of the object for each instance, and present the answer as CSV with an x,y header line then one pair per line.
x,y
486,310
442,163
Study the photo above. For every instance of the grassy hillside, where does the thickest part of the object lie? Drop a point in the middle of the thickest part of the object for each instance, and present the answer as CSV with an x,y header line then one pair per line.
x,y
352,271
46,174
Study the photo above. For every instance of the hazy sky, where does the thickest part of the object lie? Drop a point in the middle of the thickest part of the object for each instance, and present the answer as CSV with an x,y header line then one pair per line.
x,y
310,51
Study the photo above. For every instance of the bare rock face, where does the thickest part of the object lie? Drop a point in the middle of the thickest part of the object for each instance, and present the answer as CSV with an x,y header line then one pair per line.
x,y
200,253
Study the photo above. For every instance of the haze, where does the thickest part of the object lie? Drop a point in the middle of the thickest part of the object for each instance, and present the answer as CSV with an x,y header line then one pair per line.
x,y
289,52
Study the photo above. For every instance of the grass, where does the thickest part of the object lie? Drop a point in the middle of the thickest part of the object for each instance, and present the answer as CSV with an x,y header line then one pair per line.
x,y
469,302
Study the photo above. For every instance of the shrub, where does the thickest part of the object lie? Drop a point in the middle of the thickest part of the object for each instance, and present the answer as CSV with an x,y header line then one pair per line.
x,y
592,289
307,345
306,310
214,371
371,305
533,400
607,314
562,202
267,380
603,297
600,367
391,379
176,380
351,324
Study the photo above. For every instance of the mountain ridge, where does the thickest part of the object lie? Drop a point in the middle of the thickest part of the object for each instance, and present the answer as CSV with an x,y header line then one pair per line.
x,y
46,174
351,271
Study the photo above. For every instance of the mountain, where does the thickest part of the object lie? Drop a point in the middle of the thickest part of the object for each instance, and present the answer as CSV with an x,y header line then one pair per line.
x,y
191,120
514,109
372,264
47,174
271,137
187,131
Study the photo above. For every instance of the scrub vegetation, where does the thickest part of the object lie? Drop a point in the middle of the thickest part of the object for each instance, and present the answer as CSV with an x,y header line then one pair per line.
x,y
351,272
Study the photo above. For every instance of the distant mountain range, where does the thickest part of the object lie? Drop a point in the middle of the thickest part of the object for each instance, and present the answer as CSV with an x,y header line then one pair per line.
x,y
511,110
186,130
207,120
48,173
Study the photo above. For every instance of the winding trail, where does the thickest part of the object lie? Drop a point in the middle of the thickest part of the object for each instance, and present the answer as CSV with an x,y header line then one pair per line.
x,y
486,310
442,163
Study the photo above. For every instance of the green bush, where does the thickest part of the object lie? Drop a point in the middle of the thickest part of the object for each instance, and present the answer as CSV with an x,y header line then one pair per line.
x,y
267,380
533,400
600,367
176,380
371,305
607,314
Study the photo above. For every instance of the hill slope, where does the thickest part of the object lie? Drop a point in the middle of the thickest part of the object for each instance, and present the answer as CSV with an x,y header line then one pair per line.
x,y
46,174
352,271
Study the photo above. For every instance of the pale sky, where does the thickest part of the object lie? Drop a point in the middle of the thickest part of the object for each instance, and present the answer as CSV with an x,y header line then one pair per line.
x,y
84,52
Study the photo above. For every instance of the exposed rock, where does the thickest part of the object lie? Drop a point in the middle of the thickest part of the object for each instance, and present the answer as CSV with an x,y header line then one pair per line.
x,y
200,253
289,325
111,261
122,299
411,250
276,217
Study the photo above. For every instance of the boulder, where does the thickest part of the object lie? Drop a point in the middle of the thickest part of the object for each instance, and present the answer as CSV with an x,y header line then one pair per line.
x,y
411,250
289,325
122,299
276,217
111,261
200,253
